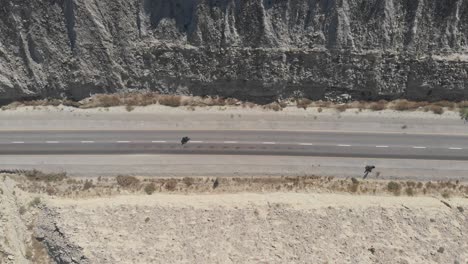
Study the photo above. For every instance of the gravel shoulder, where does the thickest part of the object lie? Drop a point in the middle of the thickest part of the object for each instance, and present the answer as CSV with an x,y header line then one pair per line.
x,y
155,117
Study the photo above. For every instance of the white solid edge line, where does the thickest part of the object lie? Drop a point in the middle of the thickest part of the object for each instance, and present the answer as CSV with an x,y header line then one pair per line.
x,y
342,145
230,142
419,147
269,143
158,141
17,142
381,146
455,148
306,144
52,142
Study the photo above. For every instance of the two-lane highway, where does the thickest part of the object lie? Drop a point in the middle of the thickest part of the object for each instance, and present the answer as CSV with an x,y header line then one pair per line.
x,y
234,142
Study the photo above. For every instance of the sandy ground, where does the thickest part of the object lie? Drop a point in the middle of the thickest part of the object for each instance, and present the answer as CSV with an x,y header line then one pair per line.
x,y
265,228
47,218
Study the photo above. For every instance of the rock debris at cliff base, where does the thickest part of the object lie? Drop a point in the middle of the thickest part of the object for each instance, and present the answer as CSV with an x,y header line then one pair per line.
x,y
258,50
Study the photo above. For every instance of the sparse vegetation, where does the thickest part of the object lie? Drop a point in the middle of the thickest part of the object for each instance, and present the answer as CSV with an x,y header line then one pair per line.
x,y
171,185
35,202
88,185
36,175
170,100
127,181
394,187
436,109
188,181
354,187
409,191
446,194
22,210
150,188
303,103
129,108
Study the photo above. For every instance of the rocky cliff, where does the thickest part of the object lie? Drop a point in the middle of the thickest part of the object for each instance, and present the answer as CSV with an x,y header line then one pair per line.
x,y
250,49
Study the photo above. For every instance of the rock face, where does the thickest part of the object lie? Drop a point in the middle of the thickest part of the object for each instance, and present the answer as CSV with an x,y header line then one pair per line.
x,y
251,49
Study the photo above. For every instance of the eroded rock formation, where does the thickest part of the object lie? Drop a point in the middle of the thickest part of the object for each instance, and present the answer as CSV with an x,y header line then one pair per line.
x,y
251,49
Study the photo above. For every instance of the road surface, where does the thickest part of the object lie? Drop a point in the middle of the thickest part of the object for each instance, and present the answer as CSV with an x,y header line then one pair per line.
x,y
232,142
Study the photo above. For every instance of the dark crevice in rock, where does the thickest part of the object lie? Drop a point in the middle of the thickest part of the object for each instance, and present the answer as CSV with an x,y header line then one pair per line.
x,y
69,14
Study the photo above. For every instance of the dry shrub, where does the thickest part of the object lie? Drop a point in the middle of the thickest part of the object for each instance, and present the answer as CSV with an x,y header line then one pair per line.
x,y
378,106
232,101
22,210
341,107
319,109
36,175
170,100
354,185
446,194
462,104
88,185
171,185
248,104
435,109
140,99
35,202
464,113
324,104
129,108
51,190
150,188
127,181
445,103
188,181
409,191
405,105
303,103
108,100
273,106
394,187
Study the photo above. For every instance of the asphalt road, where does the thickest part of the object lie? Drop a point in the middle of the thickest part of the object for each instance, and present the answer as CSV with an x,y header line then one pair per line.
x,y
281,143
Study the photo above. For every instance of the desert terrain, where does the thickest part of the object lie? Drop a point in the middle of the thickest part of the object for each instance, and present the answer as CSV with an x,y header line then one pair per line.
x,y
51,218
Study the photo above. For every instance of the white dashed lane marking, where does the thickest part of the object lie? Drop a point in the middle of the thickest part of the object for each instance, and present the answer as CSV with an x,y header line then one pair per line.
x,y
269,143
455,148
231,142
381,146
196,141
158,141
17,142
343,145
418,147
306,144
87,142
52,142
124,142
